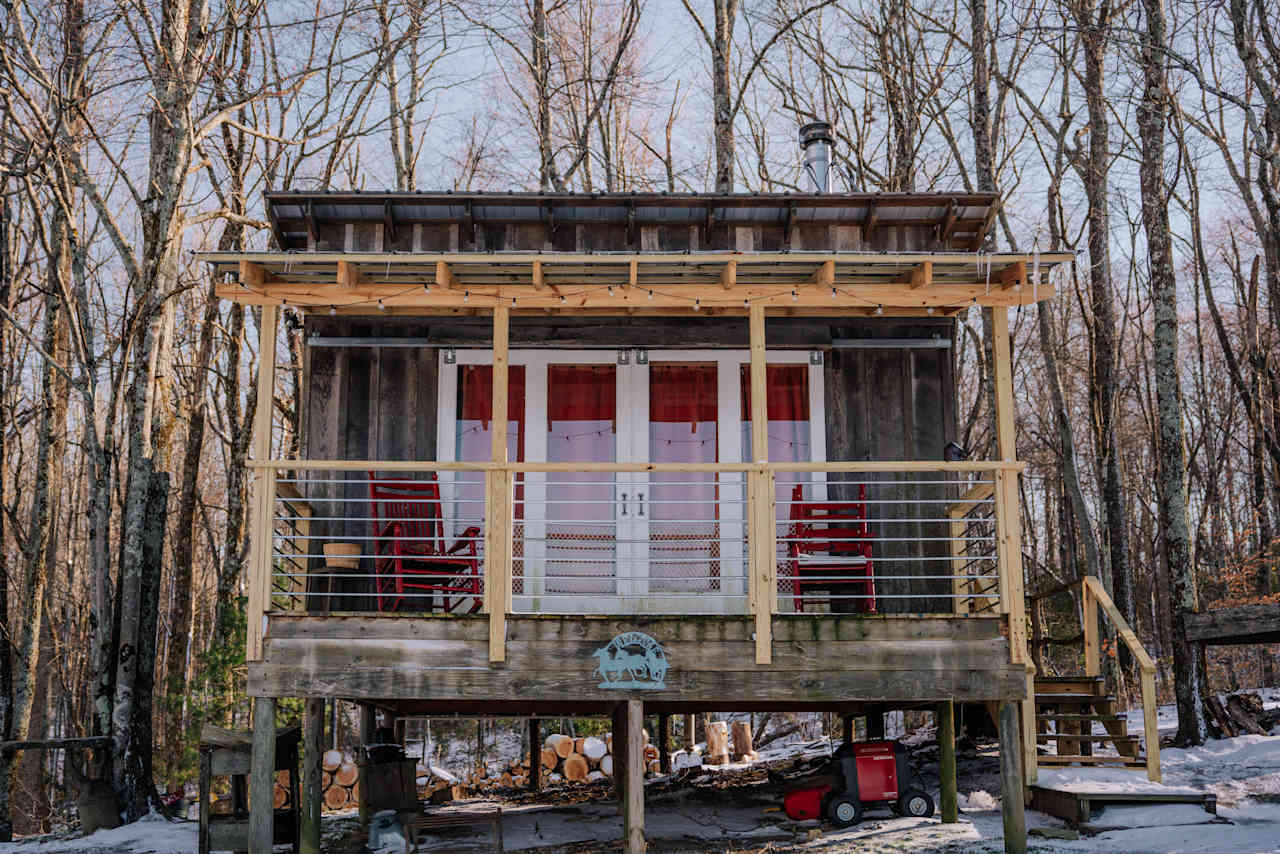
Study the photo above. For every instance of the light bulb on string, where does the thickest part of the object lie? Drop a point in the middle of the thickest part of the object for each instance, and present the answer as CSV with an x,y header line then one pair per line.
x,y
651,294
697,304
879,310
833,293
795,297
381,306
929,310
333,310
466,296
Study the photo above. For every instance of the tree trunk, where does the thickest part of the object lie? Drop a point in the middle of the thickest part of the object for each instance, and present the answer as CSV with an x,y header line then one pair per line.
x,y
1152,114
722,93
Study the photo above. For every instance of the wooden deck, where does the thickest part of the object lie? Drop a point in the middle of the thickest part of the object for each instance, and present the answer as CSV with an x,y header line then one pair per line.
x,y
1243,624
441,663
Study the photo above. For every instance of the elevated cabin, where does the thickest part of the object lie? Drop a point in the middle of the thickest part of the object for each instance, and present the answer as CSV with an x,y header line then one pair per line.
x,y
625,454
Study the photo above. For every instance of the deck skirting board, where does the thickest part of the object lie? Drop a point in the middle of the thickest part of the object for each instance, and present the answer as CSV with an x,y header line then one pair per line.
x,y
815,659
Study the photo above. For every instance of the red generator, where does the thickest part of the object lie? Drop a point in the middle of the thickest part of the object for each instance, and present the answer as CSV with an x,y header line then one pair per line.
x,y
861,775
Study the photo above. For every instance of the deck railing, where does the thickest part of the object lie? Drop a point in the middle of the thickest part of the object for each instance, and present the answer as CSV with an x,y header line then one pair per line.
x,y
633,538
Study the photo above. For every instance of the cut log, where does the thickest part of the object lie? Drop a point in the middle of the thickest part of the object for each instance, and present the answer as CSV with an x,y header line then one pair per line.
x,y
594,750
606,765
576,768
650,753
332,759
347,774
282,778
279,797
326,780
561,744
549,758
742,748
442,774
717,743
336,797
577,745
355,793
608,742
1218,717
1246,711
505,779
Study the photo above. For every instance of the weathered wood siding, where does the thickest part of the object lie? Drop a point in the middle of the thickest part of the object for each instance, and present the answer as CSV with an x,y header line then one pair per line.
x,y
897,404
711,660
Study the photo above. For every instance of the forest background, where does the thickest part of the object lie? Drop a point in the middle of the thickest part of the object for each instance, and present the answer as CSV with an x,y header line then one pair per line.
x,y
1144,137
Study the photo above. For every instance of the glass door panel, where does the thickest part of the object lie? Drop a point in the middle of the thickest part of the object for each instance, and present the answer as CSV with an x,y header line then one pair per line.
x,y
683,507
580,548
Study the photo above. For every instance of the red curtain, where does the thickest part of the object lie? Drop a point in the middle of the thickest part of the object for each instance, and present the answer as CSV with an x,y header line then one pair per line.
x,y
582,393
787,392
475,402
682,394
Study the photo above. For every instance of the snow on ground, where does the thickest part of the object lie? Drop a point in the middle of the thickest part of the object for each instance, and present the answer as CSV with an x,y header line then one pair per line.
x,y
1243,772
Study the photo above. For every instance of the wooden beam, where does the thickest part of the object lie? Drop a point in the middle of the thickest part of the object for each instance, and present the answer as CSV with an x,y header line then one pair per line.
x,y
729,276
349,276
262,502
949,803
763,562
1014,276
312,777
1011,781
869,224
539,282
633,793
948,224
921,276
262,777
825,275
255,276
498,517
444,276
633,273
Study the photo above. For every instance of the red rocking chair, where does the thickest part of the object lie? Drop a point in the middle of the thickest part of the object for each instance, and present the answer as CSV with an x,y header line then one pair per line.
x,y
411,558
830,539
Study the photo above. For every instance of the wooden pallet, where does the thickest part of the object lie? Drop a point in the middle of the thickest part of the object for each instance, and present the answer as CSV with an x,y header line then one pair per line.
x,y
1077,807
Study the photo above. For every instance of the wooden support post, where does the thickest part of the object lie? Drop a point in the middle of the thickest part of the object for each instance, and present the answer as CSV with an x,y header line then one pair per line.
x,y
262,771
368,723
664,743
535,754
690,726
1011,781
619,734
633,795
846,729
763,535
498,527
312,777
950,803
875,724
262,504
1009,525
206,791
1151,731
1092,645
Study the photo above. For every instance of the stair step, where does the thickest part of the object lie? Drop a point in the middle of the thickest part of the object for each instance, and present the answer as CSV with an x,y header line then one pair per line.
x,y
1123,761
1050,680
1099,737
1059,699
1083,717
1093,687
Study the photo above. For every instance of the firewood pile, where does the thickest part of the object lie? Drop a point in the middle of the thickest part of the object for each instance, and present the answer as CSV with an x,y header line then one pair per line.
x,y
339,781
1239,714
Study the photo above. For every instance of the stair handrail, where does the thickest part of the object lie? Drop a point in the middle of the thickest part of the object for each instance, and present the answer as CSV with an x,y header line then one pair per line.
x,y
1095,595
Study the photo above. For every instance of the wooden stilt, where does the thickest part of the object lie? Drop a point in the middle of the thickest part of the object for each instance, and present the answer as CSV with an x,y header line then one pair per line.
x,y
664,743
620,754
535,754
312,782
368,723
1011,780
690,727
262,770
846,729
947,762
633,796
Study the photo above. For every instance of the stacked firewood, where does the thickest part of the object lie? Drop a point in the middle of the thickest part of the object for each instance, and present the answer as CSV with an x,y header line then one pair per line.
x,y
339,781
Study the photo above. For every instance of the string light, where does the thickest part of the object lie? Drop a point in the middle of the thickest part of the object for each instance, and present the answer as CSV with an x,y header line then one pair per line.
x,y
746,303
833,293
562,298
513,302
879,310
651,294
333,310
611,290
929,310
795,297
697,304
426,287
466,296
381,306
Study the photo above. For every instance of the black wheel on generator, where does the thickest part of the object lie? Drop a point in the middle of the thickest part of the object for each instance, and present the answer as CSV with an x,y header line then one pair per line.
x,y
915,803
844,811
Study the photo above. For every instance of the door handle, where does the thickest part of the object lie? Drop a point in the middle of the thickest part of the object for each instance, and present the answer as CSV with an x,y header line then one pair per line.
x,y
640,498
624,504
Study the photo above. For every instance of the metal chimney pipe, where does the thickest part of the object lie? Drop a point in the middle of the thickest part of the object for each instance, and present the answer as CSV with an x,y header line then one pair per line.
x,y
815,143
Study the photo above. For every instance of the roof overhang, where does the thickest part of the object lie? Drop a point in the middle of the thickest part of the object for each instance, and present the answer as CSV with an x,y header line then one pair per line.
x,y
960,221
824,283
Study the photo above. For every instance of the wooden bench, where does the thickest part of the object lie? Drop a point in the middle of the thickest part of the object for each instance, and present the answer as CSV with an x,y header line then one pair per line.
x,y
421,823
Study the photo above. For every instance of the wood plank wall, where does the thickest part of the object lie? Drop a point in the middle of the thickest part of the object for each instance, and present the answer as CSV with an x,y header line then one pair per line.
x,y
897,404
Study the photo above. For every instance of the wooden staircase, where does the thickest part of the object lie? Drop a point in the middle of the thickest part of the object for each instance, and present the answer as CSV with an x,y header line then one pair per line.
x,y
1067,707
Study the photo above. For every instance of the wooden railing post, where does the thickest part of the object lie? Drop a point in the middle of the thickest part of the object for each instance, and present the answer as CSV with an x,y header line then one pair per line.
x,y
763,564
262,500
1092,646
498,528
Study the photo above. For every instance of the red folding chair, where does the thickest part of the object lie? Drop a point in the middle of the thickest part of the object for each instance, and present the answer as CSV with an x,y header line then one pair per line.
x,y
828,542
412,559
